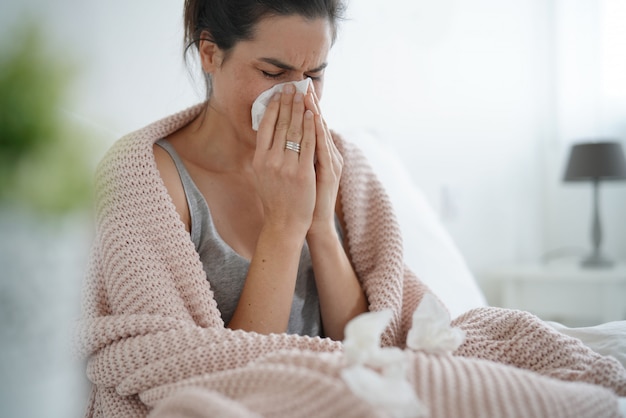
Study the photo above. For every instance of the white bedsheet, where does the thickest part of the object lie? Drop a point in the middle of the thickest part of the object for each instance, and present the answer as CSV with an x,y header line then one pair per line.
x,y
608,339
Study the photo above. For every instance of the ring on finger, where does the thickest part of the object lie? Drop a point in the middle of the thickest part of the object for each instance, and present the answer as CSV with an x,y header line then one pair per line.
x,y
292,146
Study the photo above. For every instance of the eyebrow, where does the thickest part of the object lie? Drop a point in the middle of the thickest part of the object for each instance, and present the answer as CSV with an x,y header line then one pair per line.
x,y
282,65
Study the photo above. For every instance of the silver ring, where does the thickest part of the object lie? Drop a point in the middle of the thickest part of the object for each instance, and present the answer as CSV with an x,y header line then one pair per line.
x,y
292,146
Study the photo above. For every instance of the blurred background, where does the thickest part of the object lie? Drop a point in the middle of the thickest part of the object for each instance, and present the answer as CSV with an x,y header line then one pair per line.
x,y
481,99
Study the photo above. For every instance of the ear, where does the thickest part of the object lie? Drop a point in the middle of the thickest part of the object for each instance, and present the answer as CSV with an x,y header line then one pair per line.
x,y
211,56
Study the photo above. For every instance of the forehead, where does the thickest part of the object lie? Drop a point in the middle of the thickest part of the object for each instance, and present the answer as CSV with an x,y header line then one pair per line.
x,y
294,40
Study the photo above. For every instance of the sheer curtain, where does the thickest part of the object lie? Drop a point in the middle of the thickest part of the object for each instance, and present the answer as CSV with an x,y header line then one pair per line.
x,y
589,102
590,66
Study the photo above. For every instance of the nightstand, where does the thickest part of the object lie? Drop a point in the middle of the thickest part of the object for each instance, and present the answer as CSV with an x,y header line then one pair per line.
x,y
564,292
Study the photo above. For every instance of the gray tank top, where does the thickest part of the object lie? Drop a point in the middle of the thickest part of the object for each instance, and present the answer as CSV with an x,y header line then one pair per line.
x,y
226,270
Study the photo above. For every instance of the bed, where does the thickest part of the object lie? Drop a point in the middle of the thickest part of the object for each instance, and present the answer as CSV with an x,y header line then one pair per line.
x,y
433,256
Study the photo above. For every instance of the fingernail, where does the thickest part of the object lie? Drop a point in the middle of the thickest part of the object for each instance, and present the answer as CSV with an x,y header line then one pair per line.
x,y
308,114
298,97
289,89
276,97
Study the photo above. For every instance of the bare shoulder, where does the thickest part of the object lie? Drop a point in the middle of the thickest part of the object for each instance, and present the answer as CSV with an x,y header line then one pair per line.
x,y
173,184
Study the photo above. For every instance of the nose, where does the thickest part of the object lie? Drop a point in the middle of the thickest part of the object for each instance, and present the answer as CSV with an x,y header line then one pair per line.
x,y
299,77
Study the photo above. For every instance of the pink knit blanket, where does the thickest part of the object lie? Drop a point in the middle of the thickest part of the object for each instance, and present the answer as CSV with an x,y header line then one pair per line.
x,y
156,344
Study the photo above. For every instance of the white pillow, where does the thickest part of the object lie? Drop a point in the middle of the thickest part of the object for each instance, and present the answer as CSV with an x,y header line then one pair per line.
x,y
428,248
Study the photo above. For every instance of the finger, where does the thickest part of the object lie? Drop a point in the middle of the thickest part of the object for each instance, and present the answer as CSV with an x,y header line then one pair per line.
x,y
308,144
329,137
310,103
316,105
323,152
311,90
265,134
294,132
336,155
316,100
284,117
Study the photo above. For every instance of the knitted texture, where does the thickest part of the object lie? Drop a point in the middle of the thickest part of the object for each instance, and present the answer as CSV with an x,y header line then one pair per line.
x,y
156,343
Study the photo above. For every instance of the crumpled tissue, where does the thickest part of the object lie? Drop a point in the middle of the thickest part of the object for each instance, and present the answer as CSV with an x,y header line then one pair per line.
x,y
375,374
431,330
378,375
260,104
394,396
362,344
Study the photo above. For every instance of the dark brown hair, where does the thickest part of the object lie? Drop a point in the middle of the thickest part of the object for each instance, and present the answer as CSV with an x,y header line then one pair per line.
x,y
226,22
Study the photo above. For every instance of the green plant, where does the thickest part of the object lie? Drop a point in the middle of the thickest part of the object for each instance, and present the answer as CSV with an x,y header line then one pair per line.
x,y
43,160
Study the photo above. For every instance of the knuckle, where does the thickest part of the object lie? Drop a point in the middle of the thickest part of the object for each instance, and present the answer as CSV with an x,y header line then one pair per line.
x,y
274,165
307,144
282,124
301,177
267,164
294,134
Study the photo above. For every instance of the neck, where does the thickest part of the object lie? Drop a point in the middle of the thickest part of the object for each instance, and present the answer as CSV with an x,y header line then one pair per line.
x,y
213,141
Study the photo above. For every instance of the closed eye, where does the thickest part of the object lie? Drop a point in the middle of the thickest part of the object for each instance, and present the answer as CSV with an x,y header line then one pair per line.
x,y
315,78
273,75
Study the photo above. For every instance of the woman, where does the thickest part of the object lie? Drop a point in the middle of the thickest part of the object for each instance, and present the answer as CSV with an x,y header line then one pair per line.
x,y
227,262
264,199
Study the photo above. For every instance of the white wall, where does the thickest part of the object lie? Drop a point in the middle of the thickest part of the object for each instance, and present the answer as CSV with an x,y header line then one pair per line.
x,y
457,87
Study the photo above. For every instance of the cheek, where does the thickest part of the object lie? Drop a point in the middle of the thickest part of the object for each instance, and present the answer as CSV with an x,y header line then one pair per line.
x,y
254,89
246,93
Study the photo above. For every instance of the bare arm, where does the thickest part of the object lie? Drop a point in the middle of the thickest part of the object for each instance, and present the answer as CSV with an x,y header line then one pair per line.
x,y
340,292
265,302
286,186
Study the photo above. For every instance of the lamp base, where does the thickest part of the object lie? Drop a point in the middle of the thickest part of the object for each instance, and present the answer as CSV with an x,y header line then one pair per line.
x,y
596,261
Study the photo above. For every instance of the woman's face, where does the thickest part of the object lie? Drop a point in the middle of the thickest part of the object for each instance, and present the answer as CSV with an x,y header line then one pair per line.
x,y
284,48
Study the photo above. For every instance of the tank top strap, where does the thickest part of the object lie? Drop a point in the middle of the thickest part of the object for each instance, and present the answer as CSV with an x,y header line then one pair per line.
x,y
192,193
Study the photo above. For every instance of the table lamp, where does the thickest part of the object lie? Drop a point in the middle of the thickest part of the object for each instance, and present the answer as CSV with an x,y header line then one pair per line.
x,y
596,161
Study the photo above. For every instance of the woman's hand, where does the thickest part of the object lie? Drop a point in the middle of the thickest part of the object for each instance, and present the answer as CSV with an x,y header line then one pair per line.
x,y
299,194
285,178
285,182
339,290
328,166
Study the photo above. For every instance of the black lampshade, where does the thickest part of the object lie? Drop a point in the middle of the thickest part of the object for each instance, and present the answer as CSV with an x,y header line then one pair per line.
x,y
596,160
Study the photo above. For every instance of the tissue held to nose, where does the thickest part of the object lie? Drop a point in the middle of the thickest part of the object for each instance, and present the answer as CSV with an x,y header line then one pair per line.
x,y
260,104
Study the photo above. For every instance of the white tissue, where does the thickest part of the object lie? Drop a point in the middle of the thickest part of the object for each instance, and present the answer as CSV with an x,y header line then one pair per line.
x,y
431,330
362,337
378,375
260,104
375,374
394,396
